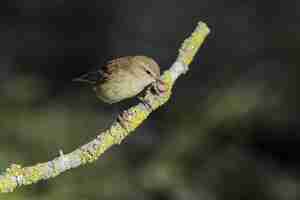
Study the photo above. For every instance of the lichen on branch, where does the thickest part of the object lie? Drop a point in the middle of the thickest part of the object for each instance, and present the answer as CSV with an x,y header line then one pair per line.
x,y
16,175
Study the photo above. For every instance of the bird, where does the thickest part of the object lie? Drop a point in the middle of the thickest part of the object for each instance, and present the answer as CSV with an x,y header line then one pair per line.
x,y
122,78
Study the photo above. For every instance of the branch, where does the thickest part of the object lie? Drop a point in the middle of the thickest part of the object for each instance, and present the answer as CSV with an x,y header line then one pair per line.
x,y
16,175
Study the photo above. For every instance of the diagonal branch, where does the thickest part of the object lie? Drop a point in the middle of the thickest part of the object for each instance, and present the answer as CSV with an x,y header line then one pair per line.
x,y
16,175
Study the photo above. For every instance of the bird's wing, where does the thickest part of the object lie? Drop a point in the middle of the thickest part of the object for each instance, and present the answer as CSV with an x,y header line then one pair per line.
x,y
116,64
112,67
91,77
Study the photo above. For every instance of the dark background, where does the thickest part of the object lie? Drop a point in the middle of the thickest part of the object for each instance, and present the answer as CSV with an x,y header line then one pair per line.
x,y
230,131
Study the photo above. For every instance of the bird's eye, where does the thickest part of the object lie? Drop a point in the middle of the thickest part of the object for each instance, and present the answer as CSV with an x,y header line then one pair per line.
x,y
148,72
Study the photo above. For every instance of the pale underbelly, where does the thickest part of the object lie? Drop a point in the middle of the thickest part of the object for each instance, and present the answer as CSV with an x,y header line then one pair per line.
x,y
115,92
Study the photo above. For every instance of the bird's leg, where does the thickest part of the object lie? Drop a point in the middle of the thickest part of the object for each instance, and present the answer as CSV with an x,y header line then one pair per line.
x,y
158,88
146,103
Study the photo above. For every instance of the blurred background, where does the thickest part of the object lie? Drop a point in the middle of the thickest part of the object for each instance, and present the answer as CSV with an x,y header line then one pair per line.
x,y
230,131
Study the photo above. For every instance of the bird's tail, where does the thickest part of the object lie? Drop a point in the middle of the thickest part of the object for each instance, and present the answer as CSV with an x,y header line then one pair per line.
x,y
90,77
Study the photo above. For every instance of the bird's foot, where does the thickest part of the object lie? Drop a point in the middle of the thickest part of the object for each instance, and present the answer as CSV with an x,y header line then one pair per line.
x,y
160,87
146,103
124,119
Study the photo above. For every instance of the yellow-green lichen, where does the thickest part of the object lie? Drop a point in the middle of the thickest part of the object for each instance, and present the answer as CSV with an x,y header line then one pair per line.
x,y
118,133
32,174
191,45
87,157
138,116
7,184
28,176
14,170
167,79
107,138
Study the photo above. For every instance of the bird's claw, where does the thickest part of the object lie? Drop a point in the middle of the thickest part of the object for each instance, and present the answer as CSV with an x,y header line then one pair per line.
x,y
123,119
160,87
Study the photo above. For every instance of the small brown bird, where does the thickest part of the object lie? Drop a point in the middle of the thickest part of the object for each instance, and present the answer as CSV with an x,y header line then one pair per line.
x,y
122,78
